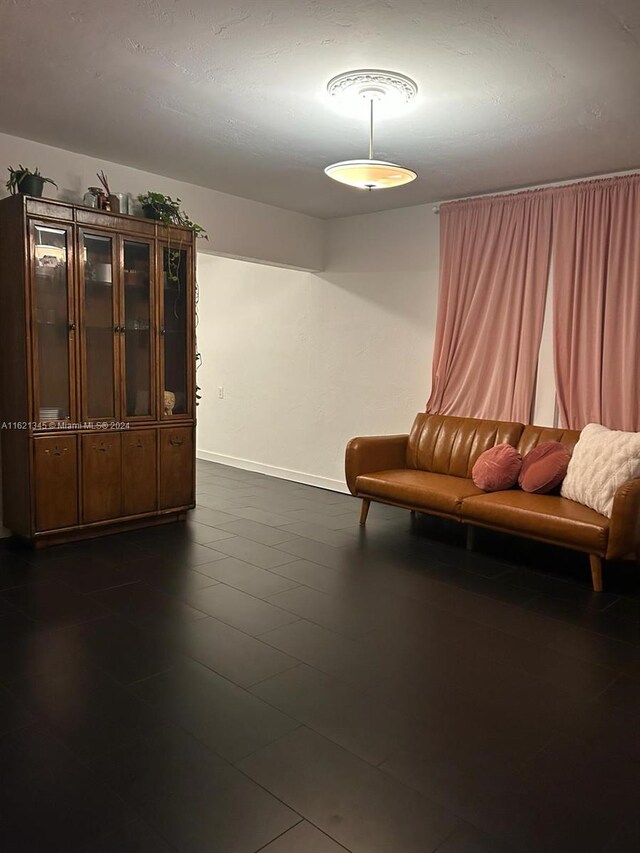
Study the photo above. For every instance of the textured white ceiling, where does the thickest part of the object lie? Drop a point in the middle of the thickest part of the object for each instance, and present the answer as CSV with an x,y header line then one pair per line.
x,y
230,95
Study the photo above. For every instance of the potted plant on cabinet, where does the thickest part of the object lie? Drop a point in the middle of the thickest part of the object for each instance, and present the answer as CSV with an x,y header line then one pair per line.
x,y
27,182
168,211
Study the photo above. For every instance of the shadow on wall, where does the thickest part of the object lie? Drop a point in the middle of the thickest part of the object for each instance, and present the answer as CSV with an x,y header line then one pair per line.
x,y
389,258
237,227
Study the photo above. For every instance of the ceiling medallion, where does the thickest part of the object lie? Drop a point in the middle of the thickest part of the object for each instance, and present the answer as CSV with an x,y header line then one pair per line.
x,y
372,87
362,83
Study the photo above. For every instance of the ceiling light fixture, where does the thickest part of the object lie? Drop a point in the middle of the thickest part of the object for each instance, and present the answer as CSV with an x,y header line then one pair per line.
x,y
372,86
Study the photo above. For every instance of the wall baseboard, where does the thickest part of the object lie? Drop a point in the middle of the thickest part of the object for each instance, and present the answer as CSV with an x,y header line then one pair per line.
x,y
273,471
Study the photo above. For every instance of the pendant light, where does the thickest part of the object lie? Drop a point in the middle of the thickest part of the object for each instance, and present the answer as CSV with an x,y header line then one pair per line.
x,y
372,86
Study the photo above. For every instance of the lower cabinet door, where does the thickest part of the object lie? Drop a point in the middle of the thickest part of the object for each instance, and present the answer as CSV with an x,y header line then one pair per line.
x,y
101,476
176,467
139,472
56,482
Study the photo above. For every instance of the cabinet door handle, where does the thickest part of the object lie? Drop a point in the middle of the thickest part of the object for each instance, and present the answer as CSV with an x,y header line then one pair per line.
x,y
57,451
162,330
102,448
72,327
176,441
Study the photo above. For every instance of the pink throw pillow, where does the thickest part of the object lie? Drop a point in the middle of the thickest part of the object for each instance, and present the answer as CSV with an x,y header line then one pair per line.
x,y
497,468
544,468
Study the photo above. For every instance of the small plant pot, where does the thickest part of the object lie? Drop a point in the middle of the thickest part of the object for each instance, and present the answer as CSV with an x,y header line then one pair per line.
x,y
150,212
31,185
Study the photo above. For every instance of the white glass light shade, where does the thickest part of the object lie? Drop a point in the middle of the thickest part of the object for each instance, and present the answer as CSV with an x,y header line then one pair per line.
x,y
370,174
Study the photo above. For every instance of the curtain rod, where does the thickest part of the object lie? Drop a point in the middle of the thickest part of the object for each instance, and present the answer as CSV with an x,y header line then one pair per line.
x,y
572,181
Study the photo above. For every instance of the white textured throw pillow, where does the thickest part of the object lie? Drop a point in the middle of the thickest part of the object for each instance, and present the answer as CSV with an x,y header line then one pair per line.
x,y
602,461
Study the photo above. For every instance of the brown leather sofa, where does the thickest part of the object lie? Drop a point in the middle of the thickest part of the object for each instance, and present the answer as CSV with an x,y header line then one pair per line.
x,y
429,471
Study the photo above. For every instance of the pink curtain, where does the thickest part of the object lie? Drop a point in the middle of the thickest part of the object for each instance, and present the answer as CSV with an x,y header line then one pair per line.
x,y
494,266
596,275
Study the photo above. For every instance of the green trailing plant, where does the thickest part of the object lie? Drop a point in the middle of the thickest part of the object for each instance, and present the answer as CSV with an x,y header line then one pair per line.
x,y
169,211
173,265
16,177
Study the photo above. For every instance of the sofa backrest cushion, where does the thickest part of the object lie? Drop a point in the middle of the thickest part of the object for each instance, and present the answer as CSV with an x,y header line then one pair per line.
x,y
445,444
532,436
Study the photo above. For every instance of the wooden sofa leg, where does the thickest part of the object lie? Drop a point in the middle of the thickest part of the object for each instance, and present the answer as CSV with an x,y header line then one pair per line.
x,y
364,512
596,572
471,537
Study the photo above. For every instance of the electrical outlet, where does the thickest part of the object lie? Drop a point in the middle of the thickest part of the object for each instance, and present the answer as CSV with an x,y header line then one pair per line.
x,y
221,392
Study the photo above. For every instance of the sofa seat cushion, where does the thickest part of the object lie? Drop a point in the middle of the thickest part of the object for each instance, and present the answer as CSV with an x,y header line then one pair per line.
x,y
549,517
422,489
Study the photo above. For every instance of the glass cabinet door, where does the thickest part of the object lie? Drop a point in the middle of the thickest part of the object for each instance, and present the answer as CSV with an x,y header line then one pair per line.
x,y
54,326
177,360
100,329
137,278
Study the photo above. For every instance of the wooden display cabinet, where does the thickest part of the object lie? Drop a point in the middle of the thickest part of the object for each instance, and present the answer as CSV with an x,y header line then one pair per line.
x,y
97,373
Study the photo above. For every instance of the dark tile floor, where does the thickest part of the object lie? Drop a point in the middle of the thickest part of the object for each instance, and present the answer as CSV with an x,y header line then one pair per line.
x,y
270,677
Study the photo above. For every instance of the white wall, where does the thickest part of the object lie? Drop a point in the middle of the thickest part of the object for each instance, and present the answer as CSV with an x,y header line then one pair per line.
x,y
237,227
309,360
